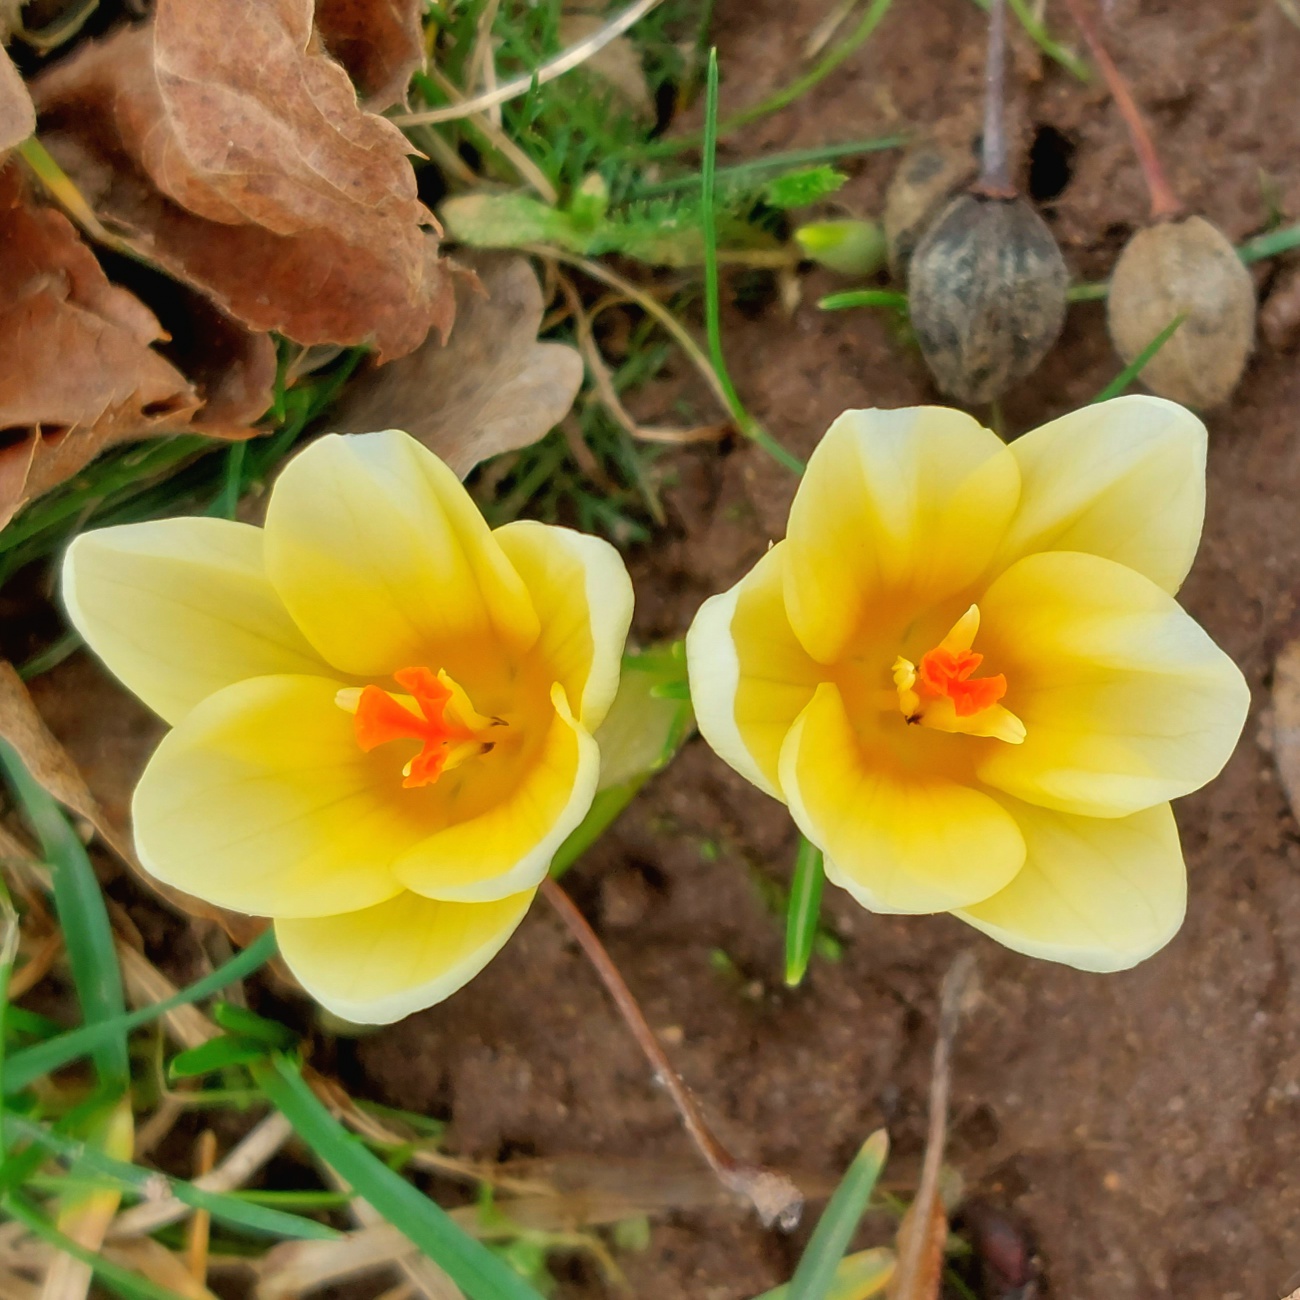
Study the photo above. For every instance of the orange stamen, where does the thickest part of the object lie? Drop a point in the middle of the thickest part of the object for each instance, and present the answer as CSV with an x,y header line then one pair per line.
x,y
380,718
947,672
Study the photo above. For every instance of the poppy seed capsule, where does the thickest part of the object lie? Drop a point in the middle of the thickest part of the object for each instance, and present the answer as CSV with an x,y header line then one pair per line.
x,y
986,294
924,184
1185,268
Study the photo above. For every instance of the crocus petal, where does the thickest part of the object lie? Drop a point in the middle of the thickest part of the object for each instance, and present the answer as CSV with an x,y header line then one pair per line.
x,y
260,800
385,562
898,842
1097,894
896,506
1126,701
750,678
179,608
583,597
379,964
509,845
1124,479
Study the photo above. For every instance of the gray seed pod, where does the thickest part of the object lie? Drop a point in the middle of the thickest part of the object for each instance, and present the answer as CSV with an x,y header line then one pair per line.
x,y
924,184
986,294
1184,268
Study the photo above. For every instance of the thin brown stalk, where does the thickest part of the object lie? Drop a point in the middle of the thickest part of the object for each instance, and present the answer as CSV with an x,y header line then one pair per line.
x,y
995,172
772,1194
912,1244
200,1226
1164,202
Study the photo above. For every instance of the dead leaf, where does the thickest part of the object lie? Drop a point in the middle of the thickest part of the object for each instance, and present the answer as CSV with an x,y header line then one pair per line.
x,y
379,42
80,370
617,63
927,1278
17,116
25,731
230,151
492,388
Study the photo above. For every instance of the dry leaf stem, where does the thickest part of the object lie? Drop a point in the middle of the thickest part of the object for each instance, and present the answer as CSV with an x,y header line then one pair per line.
x,y
995,172
773,1195
912,1244
576,55
1164,202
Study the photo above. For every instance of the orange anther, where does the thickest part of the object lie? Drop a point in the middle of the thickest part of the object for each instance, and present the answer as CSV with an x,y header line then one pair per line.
x,y
947,672
380,718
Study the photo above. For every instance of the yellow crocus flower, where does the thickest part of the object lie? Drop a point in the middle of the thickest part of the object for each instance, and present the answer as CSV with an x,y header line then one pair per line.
x,y
965,672
381,710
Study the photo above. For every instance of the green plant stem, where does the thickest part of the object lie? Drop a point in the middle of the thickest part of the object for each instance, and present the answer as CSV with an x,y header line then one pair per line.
x,y
744,421
1270,244
124,1283
52,656
1038,33
1140,362
474,1268
864,298
830,1239
803,912
31,1063
88,935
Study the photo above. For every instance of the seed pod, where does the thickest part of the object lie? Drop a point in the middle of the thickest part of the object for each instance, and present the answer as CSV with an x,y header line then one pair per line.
x,y
987,295
924,184
1185,268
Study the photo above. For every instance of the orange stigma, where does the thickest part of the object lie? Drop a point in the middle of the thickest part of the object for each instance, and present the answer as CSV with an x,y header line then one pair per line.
x,y
943,693
947,672
436,712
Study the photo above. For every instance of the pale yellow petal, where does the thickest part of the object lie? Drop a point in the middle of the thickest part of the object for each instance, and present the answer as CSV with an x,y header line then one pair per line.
x,y
1097,894
897,510
260,800
179,608
1123,479
583,597
750,678
1126,701
508,846
385,562
376,965
897,841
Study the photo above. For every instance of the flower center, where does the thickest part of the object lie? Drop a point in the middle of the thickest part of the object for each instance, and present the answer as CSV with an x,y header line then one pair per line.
x,y
943,693
437,712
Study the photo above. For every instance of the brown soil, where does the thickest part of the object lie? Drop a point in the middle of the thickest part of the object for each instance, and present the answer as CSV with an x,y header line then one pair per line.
x,y
1141,1124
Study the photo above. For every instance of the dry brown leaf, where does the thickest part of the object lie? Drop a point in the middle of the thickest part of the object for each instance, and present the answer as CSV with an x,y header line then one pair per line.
x,y
159,1265
80,372
229,149
17,115
25,731
492,388
379,42
927,1279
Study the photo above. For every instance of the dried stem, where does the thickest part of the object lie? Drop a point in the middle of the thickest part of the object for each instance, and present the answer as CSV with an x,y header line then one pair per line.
x,y
1164,202
995,172
773,1195
912,1244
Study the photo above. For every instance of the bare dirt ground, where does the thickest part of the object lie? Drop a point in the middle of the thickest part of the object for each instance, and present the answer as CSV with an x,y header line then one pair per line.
x,y
1146,1126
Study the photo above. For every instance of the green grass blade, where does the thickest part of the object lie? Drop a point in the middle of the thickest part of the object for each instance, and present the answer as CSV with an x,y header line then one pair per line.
x,y
864,298
474,1268
709,219
859,1276
119,1280
146,1182
803,912
815,1276
1270,244
1140,362
88,936
8,951
31,1063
